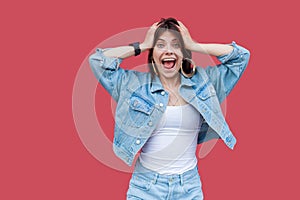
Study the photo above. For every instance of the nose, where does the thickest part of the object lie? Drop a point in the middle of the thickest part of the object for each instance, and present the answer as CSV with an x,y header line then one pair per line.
x,y
169,50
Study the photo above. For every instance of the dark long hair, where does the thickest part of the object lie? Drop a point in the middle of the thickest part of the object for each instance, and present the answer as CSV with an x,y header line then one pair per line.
x,y
170,24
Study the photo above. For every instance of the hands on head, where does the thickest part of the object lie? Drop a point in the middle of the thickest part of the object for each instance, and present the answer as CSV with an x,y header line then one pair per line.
x,y
187,39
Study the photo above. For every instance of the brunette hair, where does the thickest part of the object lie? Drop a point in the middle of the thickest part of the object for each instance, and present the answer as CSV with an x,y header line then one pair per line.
x,y
166,25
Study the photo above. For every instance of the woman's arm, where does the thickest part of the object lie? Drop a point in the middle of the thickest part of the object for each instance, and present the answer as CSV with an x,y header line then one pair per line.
x,y
225,75
210,49
233,58
105,64
127,51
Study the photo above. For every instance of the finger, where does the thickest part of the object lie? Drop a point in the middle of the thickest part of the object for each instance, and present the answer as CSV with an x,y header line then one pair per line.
x,y
153,27
155,24
179,26
182,25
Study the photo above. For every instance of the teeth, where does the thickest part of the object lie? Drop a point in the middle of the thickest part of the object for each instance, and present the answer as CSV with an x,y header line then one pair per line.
x,y
169,59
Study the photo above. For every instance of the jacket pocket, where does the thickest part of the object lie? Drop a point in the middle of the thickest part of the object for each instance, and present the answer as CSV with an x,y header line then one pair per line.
x,y
141,105
140,182
207,96
206,92
139,111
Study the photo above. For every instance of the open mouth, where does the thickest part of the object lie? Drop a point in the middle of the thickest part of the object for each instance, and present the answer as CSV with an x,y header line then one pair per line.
x,y
168,63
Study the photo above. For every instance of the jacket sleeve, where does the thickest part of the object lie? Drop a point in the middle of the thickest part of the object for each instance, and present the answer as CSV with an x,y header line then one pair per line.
x,y
225,75
107,72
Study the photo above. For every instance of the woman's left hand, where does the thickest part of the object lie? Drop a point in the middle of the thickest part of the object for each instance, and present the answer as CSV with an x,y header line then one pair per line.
x,y
187,39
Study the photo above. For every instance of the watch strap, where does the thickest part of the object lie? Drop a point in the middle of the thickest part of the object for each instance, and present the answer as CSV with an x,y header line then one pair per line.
x,y
136,46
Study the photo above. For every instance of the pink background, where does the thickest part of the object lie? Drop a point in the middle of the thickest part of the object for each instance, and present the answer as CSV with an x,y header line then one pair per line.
x,y
43,46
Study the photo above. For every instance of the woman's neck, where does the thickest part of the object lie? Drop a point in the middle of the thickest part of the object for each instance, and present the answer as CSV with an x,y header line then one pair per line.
x,y
170,83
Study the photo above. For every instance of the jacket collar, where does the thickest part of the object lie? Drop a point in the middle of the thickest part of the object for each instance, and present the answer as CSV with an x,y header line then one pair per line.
x,y
157,85
186,81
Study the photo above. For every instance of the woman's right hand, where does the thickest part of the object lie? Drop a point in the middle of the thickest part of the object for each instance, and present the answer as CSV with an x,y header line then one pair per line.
x,y
148,42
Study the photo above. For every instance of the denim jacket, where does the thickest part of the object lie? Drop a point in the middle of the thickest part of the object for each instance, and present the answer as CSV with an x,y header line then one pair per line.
x,y
142,100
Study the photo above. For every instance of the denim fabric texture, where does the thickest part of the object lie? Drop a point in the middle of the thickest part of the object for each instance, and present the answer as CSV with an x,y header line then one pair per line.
x,y
141,100
149,185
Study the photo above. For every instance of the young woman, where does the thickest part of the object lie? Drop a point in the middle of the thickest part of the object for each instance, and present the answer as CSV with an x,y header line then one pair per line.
x,y
166,112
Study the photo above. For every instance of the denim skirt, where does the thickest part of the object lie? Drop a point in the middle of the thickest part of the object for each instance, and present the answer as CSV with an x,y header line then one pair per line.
x,y
146,184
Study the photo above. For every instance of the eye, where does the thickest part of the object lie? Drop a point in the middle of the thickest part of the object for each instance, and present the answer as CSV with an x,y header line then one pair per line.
x,y
176,45
160,45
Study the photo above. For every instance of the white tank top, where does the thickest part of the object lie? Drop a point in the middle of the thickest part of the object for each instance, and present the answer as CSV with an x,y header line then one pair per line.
x,y
171,149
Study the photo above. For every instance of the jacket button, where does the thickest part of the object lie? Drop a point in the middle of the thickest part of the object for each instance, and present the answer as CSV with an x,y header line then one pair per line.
x,y
228,139
161,104
150,123
138,141
163,93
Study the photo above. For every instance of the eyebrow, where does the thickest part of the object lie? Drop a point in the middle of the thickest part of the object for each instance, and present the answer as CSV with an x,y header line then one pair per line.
x,y
175,39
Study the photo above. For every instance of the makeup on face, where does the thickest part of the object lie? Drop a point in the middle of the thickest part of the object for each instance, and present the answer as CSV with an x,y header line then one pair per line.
x,y
167,53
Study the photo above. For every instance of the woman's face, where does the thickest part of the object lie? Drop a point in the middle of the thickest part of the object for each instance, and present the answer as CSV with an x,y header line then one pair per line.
x,y
167,55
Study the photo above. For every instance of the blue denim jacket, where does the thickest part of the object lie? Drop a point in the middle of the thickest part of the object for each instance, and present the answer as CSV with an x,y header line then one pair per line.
x,y
142,100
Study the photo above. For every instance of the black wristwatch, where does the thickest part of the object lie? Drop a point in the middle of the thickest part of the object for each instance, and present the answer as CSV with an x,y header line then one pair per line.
x,y
136,46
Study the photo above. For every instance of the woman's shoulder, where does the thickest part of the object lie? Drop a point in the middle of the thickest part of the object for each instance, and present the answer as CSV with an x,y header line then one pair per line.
x,y
138,77
200,75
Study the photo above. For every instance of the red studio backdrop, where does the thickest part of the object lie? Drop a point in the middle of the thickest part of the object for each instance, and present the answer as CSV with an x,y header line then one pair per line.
x,y
44,45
